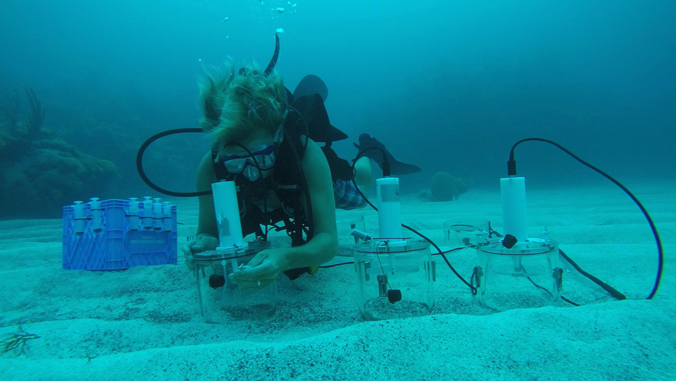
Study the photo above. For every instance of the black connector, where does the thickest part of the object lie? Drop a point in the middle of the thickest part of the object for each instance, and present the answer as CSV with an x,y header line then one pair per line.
x,y
394,296
387,170
511,167
509,241
216,281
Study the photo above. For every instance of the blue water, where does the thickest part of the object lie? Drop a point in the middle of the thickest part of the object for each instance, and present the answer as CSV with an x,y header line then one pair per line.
x,y
447,85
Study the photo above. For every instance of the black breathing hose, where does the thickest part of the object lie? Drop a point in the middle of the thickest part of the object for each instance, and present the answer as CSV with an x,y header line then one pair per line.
x,y
141,151
142,173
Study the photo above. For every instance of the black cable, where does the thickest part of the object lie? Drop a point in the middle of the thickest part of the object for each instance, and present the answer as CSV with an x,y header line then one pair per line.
x,y
533,282
616,294
472,288
454,249
306,191
511,171
351,263
608,288
336,265
307,129
570,302
545,290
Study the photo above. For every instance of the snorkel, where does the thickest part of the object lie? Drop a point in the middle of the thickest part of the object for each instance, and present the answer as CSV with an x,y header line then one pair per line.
x,y
293,120
275,56
149,141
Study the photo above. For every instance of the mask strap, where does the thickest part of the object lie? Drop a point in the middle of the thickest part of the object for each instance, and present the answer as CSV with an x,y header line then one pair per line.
x,y
279,134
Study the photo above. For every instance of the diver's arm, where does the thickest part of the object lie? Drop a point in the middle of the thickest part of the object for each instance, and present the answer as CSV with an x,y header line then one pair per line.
x,y
324,244
207,216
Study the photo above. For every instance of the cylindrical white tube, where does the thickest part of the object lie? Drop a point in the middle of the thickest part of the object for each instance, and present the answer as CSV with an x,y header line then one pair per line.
x,y
389,209
514,216
78,218
227,214
97,217
133,214
166,216
157,214
147,217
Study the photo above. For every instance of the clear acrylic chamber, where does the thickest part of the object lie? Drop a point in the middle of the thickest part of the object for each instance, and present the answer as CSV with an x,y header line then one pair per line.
x,y
222,300
524,276
394,281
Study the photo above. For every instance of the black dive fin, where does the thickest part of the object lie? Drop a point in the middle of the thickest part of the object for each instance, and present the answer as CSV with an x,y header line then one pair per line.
x,y
310,115
398,168
308,99
311,84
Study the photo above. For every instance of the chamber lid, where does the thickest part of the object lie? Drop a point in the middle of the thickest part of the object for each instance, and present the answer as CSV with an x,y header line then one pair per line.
x,y
374,247
532,246
252,248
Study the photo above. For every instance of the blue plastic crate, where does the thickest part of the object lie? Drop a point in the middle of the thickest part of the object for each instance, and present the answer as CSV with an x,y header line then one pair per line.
x,y
114,235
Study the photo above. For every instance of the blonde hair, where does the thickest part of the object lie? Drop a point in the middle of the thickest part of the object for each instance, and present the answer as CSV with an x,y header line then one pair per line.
x,y
236,106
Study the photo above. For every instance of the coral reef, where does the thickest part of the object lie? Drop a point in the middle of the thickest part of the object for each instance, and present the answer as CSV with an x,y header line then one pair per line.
x,y
446,187
9,111
36,115
39,171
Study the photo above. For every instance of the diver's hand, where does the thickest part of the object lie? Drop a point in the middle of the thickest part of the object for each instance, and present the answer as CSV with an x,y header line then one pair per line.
x,y
198,245
261,270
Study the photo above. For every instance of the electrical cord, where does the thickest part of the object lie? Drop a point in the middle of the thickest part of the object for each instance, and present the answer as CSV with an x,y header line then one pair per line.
x,y
613,292
511,171
351,263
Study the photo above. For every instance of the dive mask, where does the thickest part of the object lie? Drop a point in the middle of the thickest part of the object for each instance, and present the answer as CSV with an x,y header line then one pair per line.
x,y
250,164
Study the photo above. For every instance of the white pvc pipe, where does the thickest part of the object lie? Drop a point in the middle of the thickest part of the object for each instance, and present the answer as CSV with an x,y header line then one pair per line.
x,y
133,214
97,214
389,209
157,214
147,217
78,218
514,216
227,215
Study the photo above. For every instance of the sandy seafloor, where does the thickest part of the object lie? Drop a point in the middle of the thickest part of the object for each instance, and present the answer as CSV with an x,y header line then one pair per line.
x,y
145,323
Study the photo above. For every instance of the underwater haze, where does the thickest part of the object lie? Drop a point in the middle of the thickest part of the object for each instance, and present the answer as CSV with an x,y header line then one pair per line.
x,y
101,290
446,85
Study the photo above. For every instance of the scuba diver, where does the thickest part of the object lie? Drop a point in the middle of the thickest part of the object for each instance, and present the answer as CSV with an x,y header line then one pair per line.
x,y
266,139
